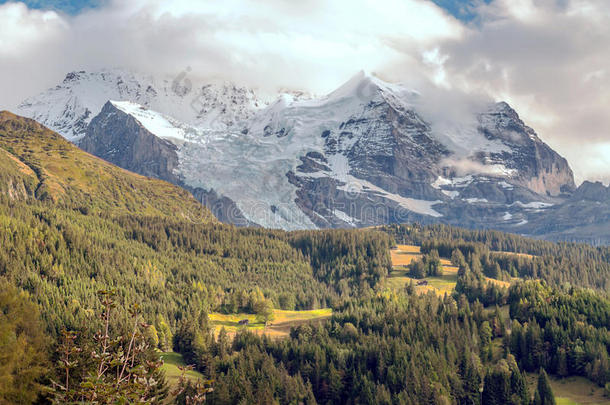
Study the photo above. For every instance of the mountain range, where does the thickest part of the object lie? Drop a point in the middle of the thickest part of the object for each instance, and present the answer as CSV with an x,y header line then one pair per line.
x,y
368,153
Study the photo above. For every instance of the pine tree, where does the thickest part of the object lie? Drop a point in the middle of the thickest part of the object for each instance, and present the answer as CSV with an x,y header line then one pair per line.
x,y
120,369
485,334
471,378
544,391
518,384
496,390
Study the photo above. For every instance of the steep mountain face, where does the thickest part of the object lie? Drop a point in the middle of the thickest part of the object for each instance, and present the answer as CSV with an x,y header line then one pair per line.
x,y
538,167
362,155
120,138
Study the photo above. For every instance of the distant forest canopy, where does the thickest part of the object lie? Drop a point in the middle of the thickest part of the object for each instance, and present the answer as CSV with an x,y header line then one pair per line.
x,y
576,264
414,349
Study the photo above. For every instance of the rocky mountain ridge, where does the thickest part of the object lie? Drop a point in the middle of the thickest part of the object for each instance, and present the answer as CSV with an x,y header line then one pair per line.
x,y
69,107
363,155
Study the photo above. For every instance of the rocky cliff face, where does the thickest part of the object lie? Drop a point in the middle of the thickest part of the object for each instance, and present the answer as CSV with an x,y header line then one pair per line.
x,y
360,156
121,139
539,167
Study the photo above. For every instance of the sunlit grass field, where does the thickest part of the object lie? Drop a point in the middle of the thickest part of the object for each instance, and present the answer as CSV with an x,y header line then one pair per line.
x,y
171,362
280,326
403,255
525,255
398,279
572,390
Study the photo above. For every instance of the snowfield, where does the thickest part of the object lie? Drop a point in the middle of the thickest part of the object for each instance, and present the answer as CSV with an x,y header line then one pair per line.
x,y
69,107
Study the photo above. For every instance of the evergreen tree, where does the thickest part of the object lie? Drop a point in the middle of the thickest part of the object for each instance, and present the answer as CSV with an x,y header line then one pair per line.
x,y
544,393
433,264
519,392
417,269
118,369
496,388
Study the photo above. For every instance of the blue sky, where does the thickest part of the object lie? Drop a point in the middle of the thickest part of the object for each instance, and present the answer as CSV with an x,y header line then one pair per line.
x,y
461,9
66,6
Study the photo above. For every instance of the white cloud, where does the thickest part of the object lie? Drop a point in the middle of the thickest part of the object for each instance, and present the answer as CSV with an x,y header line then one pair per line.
x,y
548,58
23,30
311,43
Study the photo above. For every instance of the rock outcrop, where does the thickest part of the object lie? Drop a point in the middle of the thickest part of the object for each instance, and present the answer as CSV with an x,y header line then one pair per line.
x,y
121,139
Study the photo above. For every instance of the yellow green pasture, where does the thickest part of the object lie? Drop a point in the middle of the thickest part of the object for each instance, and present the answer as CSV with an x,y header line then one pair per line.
x,y
572,390
403,255
171,362
398,279
279,327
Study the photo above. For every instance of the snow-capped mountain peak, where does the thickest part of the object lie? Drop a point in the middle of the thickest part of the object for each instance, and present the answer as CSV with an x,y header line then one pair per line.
x,y
69,107
362,86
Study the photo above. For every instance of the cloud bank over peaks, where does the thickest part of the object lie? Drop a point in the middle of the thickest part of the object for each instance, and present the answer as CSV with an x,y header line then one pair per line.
x,y
547,58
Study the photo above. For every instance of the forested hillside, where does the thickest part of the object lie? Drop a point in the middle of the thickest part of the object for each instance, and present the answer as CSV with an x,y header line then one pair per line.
x,y
577,264
101,269
73,224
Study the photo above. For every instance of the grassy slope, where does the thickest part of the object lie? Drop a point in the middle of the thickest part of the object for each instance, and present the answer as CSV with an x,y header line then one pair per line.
x,y
572,390
398,279
17,180
171,362
279,327
38,163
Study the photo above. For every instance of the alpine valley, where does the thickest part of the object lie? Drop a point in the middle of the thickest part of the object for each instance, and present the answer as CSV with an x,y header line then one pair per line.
x,y
210,205
367,154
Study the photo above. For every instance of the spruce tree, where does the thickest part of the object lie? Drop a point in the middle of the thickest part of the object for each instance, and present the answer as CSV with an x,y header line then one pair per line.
x,y
544,391
496,389
518,384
